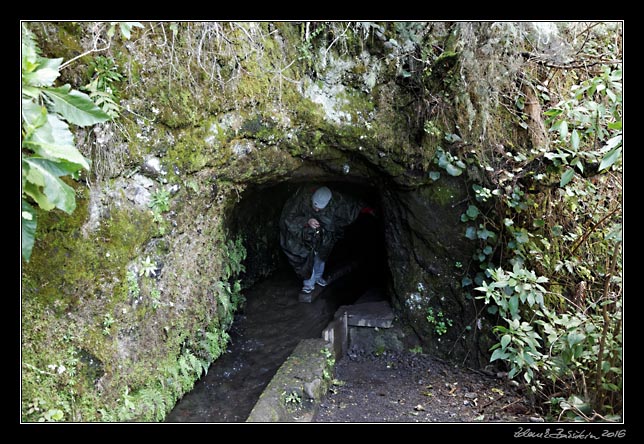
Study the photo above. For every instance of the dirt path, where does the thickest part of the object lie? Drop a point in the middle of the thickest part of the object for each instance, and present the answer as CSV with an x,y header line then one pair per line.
x,y
408,387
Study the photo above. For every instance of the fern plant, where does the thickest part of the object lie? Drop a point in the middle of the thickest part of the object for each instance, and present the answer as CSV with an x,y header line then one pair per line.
x,y
102,88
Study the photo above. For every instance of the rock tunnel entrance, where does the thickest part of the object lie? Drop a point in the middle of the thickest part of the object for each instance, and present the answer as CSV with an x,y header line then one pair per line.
x,y
416,250
411,254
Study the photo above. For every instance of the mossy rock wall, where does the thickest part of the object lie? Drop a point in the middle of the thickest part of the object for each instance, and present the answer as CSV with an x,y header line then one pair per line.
x,y
209,109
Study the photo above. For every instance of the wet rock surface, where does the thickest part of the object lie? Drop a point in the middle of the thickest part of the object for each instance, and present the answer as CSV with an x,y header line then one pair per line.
x,y
412,387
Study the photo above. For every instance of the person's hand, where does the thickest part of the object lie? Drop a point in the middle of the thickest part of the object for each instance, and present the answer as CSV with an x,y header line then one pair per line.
x,y
313,223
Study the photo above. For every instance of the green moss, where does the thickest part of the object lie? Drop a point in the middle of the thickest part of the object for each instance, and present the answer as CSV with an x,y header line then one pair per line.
x,y
69,273
441,193
65,265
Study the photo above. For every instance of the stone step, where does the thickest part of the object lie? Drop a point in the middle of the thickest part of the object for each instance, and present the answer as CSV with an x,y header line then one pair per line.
x,y
336,333
369,314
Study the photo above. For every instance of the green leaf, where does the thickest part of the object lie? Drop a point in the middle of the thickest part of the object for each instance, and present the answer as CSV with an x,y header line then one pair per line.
x,y
43,174
29,49
472,212
513,305
574,140
29,223
610,158
613,142
615,125
55,141
505,340
30,92
453,170
566,177
484,233
126,28
75,107
33,116
434,175
563,130
44,74
575,338
470,233
498,354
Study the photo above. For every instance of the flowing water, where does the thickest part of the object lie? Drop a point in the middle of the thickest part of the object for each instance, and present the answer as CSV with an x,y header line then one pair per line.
x,y
263,335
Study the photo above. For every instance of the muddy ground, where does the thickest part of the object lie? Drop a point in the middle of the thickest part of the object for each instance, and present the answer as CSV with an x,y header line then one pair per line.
x,y
412,387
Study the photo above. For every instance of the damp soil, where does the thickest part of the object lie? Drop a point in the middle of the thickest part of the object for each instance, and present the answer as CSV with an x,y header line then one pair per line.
x,y
411,387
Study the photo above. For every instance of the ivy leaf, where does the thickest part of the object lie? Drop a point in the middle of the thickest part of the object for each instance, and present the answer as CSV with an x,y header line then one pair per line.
x,y
453,170
75,107
610,158
505,340
29,224
472,212
470,233
566,177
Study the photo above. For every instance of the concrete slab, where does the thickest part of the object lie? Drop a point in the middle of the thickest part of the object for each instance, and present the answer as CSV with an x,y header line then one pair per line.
x,y
298,386
336,333
370,314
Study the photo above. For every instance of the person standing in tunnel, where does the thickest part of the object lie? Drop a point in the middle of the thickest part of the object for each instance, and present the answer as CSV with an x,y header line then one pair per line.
x,y
312,221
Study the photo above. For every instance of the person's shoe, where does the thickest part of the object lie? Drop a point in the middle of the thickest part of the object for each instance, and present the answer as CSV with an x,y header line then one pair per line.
x,y
322,282
306,290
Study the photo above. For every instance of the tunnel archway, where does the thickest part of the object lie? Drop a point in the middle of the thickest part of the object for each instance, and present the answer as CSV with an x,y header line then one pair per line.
x,y
415,249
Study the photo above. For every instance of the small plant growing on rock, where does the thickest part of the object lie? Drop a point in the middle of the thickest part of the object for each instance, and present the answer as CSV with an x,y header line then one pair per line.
x,y
292,399
108,320
439,321
148,267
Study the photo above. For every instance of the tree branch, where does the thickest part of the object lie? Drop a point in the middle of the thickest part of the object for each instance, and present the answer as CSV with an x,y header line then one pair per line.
x,y
576,64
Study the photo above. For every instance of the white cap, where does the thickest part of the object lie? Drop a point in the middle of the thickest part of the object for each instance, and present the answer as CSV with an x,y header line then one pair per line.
x,y
321,198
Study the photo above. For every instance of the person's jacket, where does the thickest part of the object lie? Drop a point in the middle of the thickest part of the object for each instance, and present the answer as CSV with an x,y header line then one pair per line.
x,y
299,241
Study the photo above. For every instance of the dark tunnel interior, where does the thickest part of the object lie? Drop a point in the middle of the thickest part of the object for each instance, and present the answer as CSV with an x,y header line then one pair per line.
x,y
256,219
